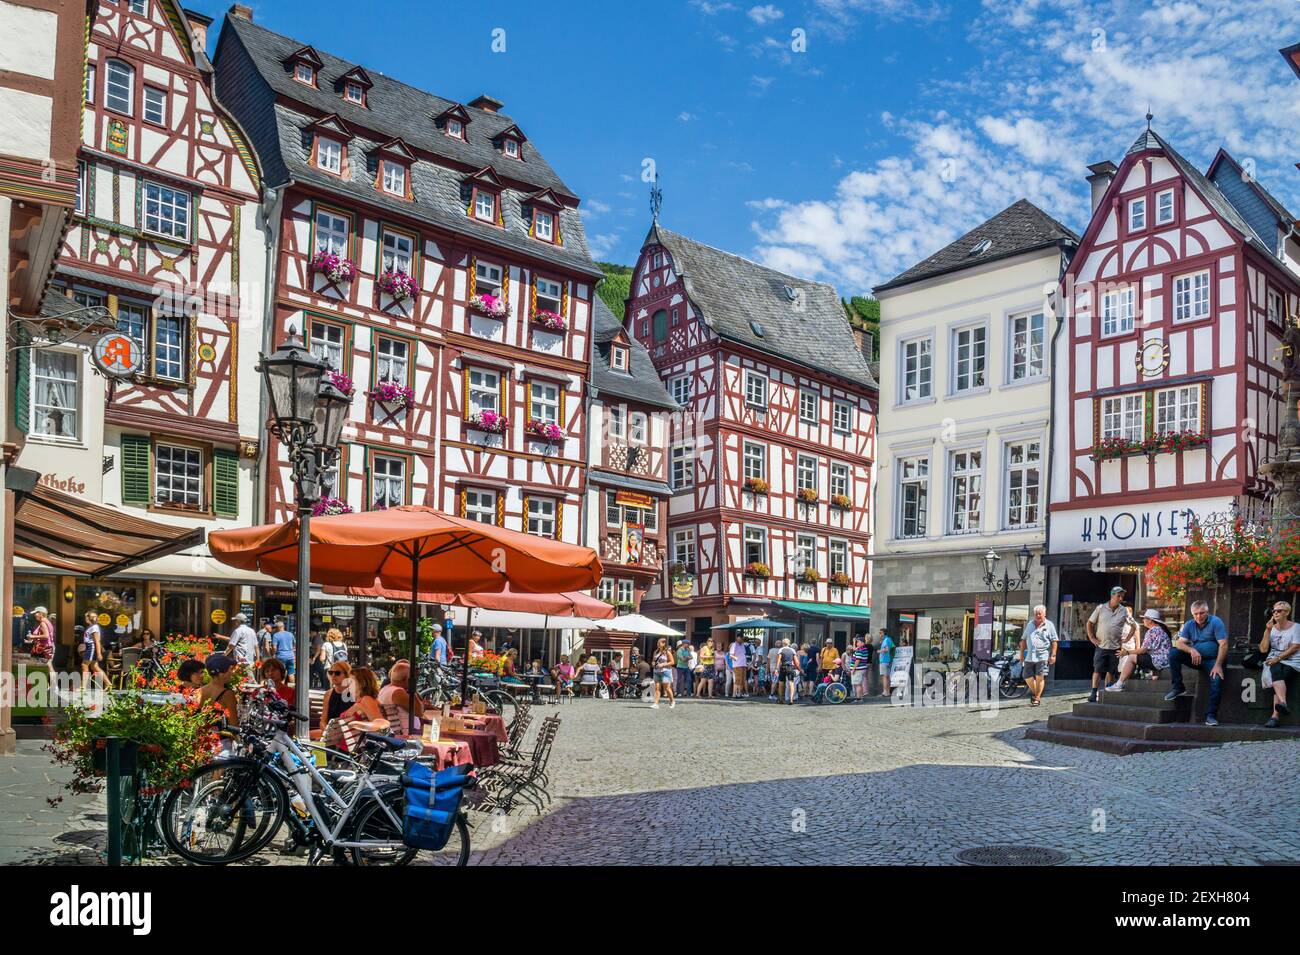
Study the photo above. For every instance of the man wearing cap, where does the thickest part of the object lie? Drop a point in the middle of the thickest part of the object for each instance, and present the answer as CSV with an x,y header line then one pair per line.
x,y
1108,627
1038,652
243,642
1203,644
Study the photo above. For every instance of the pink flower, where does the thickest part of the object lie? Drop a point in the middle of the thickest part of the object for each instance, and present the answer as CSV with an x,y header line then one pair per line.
x,y
333,266
396,283
489,305
552,321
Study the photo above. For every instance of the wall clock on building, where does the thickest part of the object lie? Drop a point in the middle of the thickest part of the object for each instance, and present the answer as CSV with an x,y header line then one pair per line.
x,y
1153,357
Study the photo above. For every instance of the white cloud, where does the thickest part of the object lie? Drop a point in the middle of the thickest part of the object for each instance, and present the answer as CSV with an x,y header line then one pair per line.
x,y
685,117
765,14
709,8
602,244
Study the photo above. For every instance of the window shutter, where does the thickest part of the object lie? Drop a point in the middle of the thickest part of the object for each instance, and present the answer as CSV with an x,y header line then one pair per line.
x,y
23,389
136,469
225,483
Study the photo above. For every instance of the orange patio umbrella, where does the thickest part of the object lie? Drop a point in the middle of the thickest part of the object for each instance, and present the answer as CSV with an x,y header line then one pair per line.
x,y
565,604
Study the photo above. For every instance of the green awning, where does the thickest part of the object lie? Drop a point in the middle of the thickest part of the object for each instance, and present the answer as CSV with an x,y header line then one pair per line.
x,y
838,611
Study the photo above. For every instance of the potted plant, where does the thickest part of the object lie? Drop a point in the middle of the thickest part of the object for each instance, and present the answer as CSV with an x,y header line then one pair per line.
x,y
841,501
809,575
543,430
755,485
551,321
489,421
756,568
806,495
840,579
391,395
333,266
341,381
1109,449
329,506
396,284
490,305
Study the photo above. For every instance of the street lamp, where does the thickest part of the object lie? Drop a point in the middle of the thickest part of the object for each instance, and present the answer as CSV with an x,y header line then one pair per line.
x,y
307,415
1024,557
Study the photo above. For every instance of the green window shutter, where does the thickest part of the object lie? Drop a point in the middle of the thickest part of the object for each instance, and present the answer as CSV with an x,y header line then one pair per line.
x,y
23,390
225,483
136,469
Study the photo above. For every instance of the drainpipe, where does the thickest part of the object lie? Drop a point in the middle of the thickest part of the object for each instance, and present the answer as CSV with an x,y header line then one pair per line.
x,y
1064,310
272,203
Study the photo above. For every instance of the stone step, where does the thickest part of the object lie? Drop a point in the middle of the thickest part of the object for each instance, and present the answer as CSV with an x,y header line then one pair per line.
x,y
1142,695
1115,745
1133,714
1171,732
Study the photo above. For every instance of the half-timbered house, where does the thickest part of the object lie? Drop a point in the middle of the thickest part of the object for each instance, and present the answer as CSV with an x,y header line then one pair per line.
x,y
771,461
432,257
1166,392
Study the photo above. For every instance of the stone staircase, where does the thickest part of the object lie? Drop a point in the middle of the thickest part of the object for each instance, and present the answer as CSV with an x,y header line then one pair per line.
x,y
1138,720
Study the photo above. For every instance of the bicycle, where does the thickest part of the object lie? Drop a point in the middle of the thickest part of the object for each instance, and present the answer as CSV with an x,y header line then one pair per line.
x,y
439,683
233,807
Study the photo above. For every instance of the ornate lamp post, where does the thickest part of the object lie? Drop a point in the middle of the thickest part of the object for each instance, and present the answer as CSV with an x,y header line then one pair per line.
x,y
1004,586
307,416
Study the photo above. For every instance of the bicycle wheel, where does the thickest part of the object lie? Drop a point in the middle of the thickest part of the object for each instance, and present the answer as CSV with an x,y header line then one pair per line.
x,y
502,702
835,693
373,823
228,813
1009,688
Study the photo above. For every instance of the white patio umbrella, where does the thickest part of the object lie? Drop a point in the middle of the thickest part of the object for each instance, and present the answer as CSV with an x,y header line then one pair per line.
x,y
632,623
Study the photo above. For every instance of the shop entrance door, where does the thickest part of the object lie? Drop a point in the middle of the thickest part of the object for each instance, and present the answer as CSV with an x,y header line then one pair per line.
x,y
182,612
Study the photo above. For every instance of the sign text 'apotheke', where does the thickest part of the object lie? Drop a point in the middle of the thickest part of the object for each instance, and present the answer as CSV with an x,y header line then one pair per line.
x,y
69,484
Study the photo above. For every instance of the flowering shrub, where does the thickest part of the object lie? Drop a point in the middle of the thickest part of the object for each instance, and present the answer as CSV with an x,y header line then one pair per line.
x,y
840,579
341,381
489,662
333,266
489,305
756,568
1202,559
396,283
1108,449
543,430
809,575
807,495
756,485
551,321
329,506
392,394
1174,441
489,421
841,500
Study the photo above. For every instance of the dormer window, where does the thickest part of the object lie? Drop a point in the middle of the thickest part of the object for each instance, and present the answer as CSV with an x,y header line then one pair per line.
x,y
543,225
394,178
455,129
485,206
354,93
618,357
303,73
329,155
511,148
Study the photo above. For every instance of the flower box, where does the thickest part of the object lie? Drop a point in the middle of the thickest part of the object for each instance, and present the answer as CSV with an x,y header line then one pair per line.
x,y
341,381
397,284
329,506
489,421
841,501
840,579
806,495
543,430
551,321
489,305
809,576
333,266
756,486
1109,449
392,395
758,569
1172,441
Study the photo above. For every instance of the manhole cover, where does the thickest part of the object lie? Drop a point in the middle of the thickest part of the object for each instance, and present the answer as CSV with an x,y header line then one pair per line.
x,y
1011,855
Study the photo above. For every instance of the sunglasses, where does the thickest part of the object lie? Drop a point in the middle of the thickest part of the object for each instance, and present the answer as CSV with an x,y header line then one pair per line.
x,y
338,673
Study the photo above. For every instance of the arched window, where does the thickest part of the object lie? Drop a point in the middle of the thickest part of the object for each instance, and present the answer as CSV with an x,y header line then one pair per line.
x,y
660,325
119,86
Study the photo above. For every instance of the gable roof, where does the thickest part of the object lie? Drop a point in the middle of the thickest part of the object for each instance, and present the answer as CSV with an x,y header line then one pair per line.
x,y
800,320
642,383
1020,227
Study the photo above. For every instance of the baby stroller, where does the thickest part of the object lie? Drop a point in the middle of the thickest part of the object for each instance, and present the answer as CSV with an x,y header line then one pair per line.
x,y
832,688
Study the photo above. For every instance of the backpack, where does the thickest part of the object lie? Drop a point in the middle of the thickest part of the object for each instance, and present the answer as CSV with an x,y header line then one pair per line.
x,y
338,652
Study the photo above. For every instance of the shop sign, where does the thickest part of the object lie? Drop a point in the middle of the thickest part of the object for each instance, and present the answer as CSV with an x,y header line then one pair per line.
x,y
218,616
123,620
683,589
118,355
286,608
68,484
1153,526
104,619
634,499
19,611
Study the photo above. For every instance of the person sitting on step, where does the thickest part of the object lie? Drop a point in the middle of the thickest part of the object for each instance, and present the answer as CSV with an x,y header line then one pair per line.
x,y
1281,643
1203,644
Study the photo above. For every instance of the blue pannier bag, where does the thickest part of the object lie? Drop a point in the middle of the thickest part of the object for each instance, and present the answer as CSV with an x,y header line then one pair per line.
x,y
432,804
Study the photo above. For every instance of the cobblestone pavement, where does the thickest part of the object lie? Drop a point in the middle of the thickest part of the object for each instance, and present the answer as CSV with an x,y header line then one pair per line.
x,y
751,782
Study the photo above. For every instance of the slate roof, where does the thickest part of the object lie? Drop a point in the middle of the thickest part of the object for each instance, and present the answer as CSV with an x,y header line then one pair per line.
x,y
643,383
735,297
1020,227
275,111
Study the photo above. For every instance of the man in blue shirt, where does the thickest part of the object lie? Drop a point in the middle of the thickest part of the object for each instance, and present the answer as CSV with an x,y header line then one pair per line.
x,y
1203,644
438,652
285,646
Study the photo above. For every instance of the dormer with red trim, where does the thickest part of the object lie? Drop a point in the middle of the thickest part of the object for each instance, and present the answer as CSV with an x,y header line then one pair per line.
x,y
510,141
542,213
327,142
354,86
304,65
391,163
482,192
453,121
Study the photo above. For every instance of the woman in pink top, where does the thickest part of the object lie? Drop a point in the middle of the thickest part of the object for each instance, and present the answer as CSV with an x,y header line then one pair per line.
x,y
563,676
739,654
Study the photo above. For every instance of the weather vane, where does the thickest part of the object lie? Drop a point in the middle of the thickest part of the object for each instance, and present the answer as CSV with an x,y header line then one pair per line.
x,y
656,199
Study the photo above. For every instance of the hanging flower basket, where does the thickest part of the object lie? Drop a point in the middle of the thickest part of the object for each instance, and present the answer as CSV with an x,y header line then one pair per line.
x,y
333,266
543,430
840,579
551,321
489,421
489,305
397,284
756,486
329,506
341,381
806,495
809,576
757,568
392,395
841,501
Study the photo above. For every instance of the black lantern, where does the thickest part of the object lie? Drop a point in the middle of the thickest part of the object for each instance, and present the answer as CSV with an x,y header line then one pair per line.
x,y
332,407
990,564
293,380
1023,559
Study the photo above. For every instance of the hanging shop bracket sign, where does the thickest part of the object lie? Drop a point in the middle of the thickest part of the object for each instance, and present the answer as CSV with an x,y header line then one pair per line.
x,y
634,499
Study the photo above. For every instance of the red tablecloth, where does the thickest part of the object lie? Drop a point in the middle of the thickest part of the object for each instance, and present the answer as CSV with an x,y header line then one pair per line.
x,y
482,744
496,725
449,753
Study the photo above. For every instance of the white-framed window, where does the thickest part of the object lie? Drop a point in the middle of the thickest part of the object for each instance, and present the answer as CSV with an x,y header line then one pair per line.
x,y
82,173
839,479
681,469
1178,410
1117,311
56,394
166,211
1137,214
657,260
541,516
87,299
510,147
487,279
354,92
485,206
169,346
387,481
543,225
842,417
755,545
1124,416
303,73
133,321
394,178
1276,308
155,106
1192,296
625,592
1028,346
805,476
970,357
550,296
617,421
605,590
637,427
684,548
755,460
1024,483
455,129
481,506
391,357
837,556
809,406
618,358
119,86
398,250
140,7
805,552
913,496
326,342
680,389
178,476
755,390
91,74
329,155
917,372
964,479
1164,207
332,232
484,390
545,402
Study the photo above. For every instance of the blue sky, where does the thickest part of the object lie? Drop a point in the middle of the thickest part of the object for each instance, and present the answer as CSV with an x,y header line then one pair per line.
x,y
894,127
